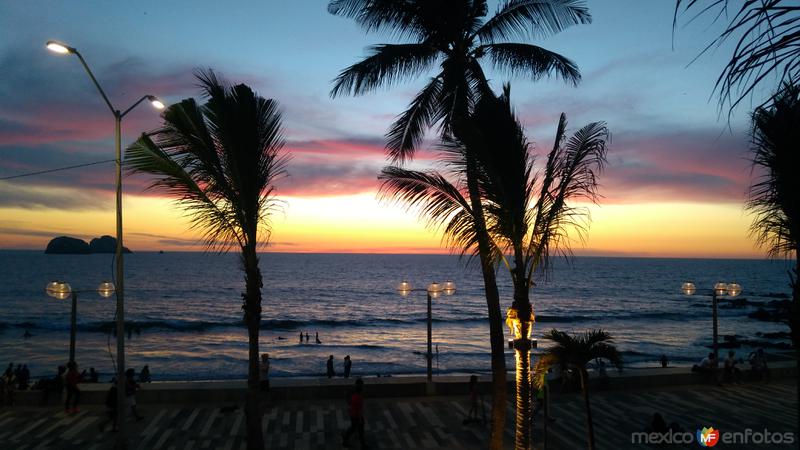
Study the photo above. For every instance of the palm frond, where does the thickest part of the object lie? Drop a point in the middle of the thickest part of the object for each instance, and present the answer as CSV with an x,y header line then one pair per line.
x,y
378,15
385,65
773,197
533,18
408,130
531,61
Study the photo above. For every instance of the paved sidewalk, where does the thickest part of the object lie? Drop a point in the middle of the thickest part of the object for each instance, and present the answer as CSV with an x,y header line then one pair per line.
x,y
413,423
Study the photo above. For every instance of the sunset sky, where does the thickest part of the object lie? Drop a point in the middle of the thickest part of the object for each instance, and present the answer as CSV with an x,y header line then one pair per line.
x,y
675,183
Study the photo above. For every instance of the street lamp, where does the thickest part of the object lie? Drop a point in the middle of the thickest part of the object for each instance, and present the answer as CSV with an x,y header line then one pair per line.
x,y
61,48
434,290
720,289
61,291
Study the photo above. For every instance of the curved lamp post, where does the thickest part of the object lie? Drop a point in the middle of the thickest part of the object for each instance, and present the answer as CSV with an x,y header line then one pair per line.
x,y
61,48
720,289
434,290
61,290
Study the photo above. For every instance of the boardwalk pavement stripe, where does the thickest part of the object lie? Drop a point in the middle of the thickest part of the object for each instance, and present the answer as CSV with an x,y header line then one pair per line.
x,y
189,421
210,421
27,429
161,441
236,424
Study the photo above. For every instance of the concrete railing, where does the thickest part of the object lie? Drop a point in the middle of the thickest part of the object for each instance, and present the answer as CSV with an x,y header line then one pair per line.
x,y
225,392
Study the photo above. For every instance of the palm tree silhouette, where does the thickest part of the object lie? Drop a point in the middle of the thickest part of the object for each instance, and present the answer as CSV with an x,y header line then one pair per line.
x,y
525,214
456,35
575,352
775,197
220,161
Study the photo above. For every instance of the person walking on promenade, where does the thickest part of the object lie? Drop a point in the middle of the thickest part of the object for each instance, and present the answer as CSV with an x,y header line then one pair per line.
x,y
356,416
347,365
330,371
111,407
131,386
72,378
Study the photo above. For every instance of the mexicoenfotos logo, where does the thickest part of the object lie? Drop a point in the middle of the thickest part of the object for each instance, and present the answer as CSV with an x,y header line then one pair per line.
x,y
707,437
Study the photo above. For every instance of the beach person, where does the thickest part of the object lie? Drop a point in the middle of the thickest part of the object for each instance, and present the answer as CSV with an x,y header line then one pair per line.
x,y
664,361
472,414
732,373
144,375
131,386
710,366
317,338
9,371
307,338
329,367
264,371
301,337
54,385
356,402
111,407
71,380
94,377
347,365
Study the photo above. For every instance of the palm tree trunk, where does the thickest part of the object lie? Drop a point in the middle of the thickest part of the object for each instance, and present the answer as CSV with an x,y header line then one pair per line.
x,y
499,386
252,307
589,426
523,417
794,326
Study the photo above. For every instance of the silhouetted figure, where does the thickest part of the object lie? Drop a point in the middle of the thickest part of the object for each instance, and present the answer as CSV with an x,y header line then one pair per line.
x,y
130,392
71,380
664,361
301,337
709,366
94,377
330,371
53,386
732,373
144,375
264,371
356,416
472,414
111,407
317,338
347,365
307,338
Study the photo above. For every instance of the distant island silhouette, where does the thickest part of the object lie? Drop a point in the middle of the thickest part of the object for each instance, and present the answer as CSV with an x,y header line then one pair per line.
x,y
65,245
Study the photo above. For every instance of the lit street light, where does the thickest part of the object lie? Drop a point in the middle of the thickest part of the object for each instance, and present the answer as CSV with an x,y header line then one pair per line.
x,y
719,289
60,48
434,290
61,290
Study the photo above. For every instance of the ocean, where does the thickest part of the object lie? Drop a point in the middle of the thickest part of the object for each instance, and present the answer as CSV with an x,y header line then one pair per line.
x,y
185,315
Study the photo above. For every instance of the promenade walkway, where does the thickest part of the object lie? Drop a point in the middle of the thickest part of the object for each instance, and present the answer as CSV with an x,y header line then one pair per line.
x,y
414,423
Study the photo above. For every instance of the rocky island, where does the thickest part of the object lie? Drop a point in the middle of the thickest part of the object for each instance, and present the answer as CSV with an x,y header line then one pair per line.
x,y
65,245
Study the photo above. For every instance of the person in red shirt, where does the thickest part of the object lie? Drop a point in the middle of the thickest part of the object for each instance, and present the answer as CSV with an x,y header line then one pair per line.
x,y
72,378
356,416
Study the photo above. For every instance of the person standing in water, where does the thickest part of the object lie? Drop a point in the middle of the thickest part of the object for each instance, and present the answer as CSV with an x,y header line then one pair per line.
x,y
317,338
330,371
347,365
301,337
307,338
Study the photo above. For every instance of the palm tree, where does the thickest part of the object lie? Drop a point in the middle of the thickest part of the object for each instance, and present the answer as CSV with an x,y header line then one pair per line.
x,y
455,35
766,35
775,197
220,161
524,213
575,353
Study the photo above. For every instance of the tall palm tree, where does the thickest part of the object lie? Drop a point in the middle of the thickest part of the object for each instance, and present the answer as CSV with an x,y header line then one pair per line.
x,y
775,197
220,161
456,35
575,353
524,213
